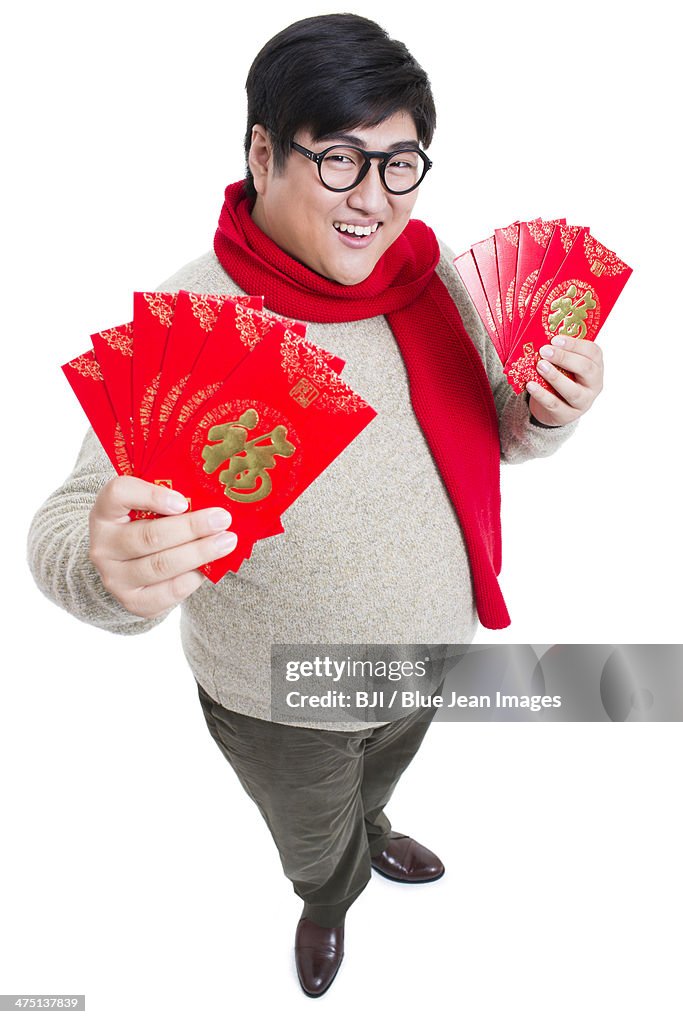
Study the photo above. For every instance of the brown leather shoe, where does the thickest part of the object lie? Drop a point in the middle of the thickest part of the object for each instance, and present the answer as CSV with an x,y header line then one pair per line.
x,y
319,952
405,860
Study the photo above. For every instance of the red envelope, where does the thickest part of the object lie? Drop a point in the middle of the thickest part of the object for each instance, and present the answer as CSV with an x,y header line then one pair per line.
x,y
564,236
484,254
554,288
114,353
85,376
289,406
467,268
278,421
152,318
160,354
238,331
576,303
507,244
534,237
194,317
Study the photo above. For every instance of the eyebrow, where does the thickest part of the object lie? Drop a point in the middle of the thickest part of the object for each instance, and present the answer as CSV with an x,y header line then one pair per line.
x,y
354,140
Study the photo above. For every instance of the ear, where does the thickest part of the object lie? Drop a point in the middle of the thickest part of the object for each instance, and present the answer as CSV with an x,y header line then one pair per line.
x,y
260,156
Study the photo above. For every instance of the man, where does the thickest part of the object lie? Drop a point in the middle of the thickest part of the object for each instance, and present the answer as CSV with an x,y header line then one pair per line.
x,y
339,116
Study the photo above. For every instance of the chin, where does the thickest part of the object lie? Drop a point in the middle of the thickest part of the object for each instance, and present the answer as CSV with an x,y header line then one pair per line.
x,y
349,280
350,275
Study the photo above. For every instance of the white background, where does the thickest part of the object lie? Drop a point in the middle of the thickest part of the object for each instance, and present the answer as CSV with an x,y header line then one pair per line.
x,y
133,868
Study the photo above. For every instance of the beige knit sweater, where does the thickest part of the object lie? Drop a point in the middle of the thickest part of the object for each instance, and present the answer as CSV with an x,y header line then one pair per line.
x,y
392,570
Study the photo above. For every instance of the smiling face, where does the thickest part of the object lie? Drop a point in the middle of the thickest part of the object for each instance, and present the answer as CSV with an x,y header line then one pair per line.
x,y
340,235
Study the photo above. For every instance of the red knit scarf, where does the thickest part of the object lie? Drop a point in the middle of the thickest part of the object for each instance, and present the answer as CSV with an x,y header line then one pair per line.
x,y
449,389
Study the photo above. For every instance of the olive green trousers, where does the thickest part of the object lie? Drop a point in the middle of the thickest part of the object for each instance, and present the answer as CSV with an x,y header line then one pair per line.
x,y
322,794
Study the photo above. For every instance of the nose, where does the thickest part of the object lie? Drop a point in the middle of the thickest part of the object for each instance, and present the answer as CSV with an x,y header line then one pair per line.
x,y
369,194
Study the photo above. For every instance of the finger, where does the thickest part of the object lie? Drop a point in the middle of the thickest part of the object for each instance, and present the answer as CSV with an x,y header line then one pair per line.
x,y
149,602
171,562
574,362
556,411
582,362
119,496
147,536
590,349
573,392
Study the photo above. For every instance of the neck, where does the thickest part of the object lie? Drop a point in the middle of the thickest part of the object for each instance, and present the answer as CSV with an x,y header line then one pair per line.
x,y
258,217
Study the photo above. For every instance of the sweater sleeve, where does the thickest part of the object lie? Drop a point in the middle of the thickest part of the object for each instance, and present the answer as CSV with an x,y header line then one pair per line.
x,y
520,437
59,542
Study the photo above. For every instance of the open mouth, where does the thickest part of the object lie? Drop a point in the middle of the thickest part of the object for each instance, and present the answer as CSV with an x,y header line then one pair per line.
x,y
356,230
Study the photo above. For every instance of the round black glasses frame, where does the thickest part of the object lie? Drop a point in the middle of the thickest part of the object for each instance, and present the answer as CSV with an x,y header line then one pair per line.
x,y
368,156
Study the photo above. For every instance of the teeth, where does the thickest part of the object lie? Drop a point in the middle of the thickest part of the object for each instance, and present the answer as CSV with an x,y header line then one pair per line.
x,y
356,229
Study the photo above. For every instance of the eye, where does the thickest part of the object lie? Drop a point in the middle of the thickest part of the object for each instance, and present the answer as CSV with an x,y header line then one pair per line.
x,y
403,162
341,159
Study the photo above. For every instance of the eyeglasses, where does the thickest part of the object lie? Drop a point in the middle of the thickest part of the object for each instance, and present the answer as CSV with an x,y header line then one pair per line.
x,y
341,168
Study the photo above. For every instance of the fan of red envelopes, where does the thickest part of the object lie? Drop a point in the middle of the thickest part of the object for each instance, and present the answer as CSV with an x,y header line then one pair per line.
x,y
535,279
228,405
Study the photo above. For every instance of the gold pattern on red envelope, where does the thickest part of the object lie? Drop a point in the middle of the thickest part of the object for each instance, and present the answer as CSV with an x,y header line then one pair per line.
x,y
87,380
221,401
534,299
196,471
511,234
541,230
87,366
161,306
560,243
248,327
602,260
565,282
196,401
174,348
122,458
147,404
120,339
524,368
506,244
170,399
571,308
304,392
206,309
300,359
568,233
245,477
525,292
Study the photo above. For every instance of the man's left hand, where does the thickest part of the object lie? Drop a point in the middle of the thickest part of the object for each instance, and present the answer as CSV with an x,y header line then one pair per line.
x,y
570,398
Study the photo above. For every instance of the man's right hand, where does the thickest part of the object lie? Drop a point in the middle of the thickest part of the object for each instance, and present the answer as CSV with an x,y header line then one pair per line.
x,y
150,565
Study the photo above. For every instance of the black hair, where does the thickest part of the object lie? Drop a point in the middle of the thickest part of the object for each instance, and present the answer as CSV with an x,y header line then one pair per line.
x,y
329,74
